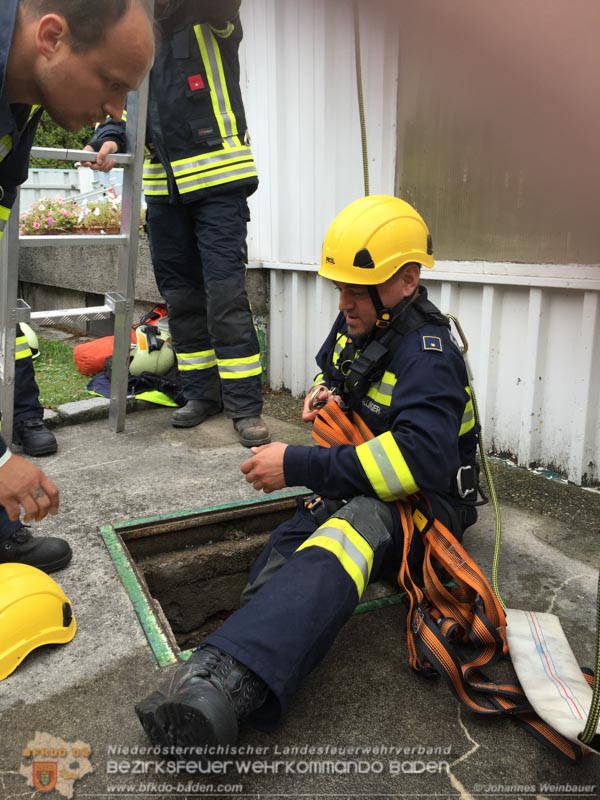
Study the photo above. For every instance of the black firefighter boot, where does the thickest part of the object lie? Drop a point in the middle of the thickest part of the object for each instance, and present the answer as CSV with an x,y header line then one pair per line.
x,y
202,701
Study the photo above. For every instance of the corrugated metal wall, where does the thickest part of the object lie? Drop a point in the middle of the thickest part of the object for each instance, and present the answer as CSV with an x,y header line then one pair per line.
x,y
534,330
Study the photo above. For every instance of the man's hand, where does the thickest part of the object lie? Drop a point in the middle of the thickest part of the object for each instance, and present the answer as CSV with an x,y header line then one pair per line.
x,y
317,399
23,485
264,470
103,163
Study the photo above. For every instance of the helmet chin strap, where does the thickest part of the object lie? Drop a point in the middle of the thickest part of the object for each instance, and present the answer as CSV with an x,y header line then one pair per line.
x,y
385,316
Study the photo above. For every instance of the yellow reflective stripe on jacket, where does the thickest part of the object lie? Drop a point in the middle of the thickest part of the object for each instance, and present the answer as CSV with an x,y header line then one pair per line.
x,y
5,146
204,359
235,368
381,392
22,349
348,546
4,215
340,342
225,175
205,162
386,468
468,419
211,56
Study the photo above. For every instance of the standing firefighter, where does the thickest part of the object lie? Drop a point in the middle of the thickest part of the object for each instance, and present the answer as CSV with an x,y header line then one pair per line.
x,y
197,177
77,61
389,357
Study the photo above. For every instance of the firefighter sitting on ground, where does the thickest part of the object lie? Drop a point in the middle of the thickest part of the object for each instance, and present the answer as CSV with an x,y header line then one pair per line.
x,y
389,357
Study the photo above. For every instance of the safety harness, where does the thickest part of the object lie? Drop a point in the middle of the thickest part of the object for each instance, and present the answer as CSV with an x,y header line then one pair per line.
x,y
359,371
455,625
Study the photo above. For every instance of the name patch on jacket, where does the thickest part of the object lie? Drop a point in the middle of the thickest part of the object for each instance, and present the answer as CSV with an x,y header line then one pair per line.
x,y
431,343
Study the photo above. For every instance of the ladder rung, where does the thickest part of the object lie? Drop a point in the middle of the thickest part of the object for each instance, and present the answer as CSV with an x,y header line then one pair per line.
x,y
61,316
64,241
60,154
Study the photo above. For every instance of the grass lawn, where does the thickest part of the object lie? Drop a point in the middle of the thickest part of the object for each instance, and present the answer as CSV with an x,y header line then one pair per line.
x,y
57,375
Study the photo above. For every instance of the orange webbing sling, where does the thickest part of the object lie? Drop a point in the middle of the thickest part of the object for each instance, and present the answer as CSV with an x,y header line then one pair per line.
x,y
454,628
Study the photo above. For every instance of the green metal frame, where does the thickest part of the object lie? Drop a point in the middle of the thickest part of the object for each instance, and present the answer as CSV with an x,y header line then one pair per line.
x,y
163,647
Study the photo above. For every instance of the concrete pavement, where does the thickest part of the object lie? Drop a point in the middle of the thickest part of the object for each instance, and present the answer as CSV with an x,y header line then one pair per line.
x,y
362,696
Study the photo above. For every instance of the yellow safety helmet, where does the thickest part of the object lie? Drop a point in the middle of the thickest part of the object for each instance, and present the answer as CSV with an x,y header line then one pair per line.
x,y
32,339
34,611
372,238
152,352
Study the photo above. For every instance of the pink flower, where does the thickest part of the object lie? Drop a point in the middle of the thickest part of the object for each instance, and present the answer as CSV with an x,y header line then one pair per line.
x,y
36,225
50,221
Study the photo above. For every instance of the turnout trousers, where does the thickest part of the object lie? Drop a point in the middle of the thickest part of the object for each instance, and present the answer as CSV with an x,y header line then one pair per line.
x,y
302,589
198,253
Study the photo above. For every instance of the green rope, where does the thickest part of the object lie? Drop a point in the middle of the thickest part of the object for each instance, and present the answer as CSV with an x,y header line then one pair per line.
x,y
485,465
361,105
591,727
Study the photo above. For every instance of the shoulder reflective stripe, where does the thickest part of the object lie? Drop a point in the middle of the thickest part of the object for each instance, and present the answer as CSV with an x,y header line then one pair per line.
x,y
22,349
204,359
220,177
232,368
340,343
382,392
386,468
219,95
5,146
348,546
319,379
468,419
33,110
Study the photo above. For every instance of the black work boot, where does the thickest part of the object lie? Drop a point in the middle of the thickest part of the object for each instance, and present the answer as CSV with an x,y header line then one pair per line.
x,y
202,701
34,437
48,553
252,431
193,413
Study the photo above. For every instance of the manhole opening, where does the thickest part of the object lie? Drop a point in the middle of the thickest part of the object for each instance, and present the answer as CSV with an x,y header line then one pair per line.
x,y
190,569
185,572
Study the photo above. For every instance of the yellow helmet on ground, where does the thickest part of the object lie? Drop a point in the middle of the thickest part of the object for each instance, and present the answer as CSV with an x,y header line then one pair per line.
x,y
34,611
152,352
372,238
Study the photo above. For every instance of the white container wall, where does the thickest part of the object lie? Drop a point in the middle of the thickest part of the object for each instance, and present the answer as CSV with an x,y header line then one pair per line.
x,y
533,330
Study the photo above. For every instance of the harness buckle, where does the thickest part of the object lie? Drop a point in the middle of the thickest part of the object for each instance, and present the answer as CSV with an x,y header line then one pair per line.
x,y
466,490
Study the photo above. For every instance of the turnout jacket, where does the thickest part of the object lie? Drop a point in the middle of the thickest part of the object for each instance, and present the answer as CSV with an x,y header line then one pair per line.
x,y
18,123
419,409
196,135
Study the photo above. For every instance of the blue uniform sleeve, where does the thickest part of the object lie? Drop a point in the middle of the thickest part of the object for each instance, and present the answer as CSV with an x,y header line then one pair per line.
x,y
420,449
110,131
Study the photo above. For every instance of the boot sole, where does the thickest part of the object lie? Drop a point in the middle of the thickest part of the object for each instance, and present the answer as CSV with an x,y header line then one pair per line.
x,y
255,442
34,451
181,722
191,423
60,563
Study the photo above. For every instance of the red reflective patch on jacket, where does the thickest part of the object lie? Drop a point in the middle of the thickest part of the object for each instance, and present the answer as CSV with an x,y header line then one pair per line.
x,y
195,82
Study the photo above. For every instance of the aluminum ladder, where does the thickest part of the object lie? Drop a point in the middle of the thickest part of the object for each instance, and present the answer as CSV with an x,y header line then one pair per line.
x,y
118,303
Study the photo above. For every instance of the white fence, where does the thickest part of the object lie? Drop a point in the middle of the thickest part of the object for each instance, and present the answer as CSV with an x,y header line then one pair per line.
x,y
534,349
